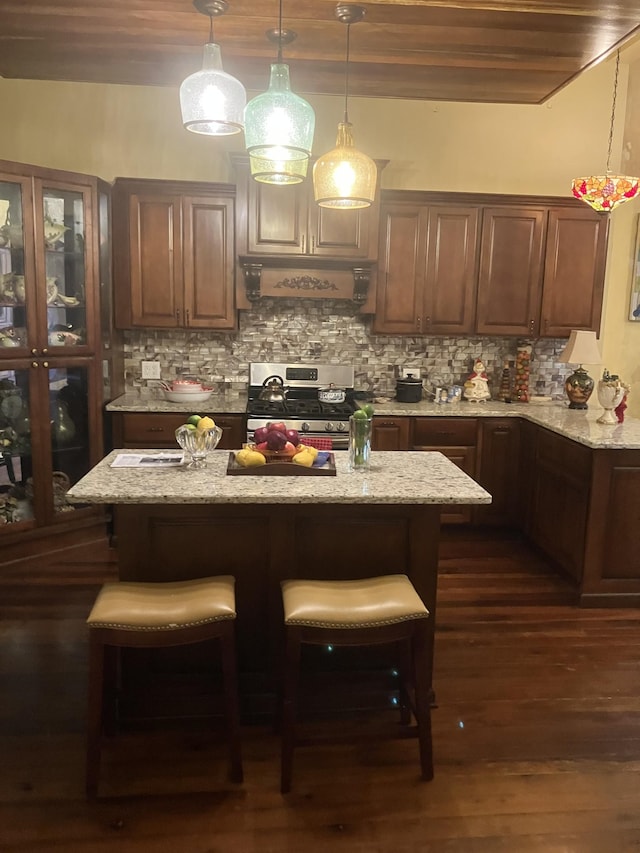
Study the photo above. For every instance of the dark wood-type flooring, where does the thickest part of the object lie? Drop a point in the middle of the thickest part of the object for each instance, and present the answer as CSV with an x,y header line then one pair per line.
x,y
536,734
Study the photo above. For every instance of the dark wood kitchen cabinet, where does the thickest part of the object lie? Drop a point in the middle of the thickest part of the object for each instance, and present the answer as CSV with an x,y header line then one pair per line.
x,y
541,270
427,267
456,439
134,430
497,470
174,258
560,500
285,220
390,433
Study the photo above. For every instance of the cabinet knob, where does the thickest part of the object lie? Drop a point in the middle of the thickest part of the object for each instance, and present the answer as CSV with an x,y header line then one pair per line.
x,y
34,352
45,351
45,364
532,325
187,316
427,322
419,324
34,364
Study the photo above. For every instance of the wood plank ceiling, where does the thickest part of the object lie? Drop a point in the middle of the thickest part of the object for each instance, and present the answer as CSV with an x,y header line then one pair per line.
x,y
514,51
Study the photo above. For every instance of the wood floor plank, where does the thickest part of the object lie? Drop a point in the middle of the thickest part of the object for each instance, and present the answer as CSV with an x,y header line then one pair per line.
x,y
536,733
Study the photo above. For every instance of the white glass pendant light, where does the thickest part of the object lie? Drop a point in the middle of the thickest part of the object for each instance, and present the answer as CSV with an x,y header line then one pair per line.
x,y
345,177
211,100
279,124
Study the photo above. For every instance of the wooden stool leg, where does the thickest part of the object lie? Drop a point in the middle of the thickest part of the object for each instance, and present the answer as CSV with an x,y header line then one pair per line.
x,y
94,715
110,690
423,697
232,710
289,705
405,680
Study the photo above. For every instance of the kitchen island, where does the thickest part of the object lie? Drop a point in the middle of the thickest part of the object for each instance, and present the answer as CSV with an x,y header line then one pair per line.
x,y
177,523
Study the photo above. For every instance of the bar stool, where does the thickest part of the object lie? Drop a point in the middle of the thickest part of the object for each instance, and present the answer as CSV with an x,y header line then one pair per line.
x,y
372,611
155,615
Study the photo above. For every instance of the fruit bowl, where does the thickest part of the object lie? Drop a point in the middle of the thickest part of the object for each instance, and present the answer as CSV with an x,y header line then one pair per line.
x,y
198,443
272,455
188,396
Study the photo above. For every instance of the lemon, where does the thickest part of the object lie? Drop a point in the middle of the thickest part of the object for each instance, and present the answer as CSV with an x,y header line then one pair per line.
x,y
205,423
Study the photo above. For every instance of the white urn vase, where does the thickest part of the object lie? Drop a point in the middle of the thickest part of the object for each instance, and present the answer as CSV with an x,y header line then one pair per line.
x,y
610,394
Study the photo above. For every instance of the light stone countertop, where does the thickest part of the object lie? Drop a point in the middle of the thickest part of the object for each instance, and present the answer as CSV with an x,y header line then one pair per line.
x,y
231,403
575,424
412,477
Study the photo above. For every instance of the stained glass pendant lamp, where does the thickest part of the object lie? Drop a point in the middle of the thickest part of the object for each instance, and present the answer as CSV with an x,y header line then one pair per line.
x,y
606,192
278,124
211,100
345,177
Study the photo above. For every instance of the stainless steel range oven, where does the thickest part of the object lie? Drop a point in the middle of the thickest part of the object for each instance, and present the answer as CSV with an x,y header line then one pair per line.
x,y
301,408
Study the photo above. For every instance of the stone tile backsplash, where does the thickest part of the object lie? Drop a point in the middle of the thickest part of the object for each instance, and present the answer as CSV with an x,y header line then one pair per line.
x,y
299,330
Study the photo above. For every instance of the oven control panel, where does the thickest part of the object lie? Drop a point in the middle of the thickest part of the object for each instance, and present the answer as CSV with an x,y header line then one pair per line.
x,y
308,374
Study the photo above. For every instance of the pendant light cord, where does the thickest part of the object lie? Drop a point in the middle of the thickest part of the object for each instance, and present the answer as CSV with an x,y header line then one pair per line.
x,y
613,112
280,33
210,29
346,76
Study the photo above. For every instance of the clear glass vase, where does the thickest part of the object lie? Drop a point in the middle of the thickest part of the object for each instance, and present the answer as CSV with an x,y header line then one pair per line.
x,y
359,443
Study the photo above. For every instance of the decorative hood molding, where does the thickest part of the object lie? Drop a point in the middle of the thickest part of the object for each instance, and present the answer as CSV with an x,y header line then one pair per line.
x,y
275,277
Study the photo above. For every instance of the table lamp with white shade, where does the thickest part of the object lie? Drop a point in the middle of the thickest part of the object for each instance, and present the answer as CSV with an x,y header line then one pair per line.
x,y
582,348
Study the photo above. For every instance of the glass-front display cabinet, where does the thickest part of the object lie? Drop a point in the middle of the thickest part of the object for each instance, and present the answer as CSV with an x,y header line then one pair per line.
x,y
50,379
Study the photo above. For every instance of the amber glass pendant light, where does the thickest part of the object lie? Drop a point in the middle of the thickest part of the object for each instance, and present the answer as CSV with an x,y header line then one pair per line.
x,y
278,124
345,177
212,101
606,192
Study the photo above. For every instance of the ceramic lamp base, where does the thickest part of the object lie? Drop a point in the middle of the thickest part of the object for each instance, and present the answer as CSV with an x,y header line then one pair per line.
x,y
608,417
579,387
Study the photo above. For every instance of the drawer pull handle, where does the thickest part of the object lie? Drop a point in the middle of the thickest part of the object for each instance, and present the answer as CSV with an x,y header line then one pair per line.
x,y
155,429
444,433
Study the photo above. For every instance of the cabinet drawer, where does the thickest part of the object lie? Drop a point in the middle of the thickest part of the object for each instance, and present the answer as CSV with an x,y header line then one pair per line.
x,y
142,427
428,432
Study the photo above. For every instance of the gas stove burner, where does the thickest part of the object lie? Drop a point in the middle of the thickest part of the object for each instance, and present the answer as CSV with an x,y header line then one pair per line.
x,y
299,409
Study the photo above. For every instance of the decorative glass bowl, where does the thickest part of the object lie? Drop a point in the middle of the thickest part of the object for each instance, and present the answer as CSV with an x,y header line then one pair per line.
x,y
198,443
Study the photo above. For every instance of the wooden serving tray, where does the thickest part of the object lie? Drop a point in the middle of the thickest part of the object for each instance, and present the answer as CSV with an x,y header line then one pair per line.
x,y
282,469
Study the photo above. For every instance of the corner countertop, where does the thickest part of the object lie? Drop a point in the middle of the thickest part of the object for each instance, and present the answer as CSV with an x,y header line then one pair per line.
x,y
410,478
580,426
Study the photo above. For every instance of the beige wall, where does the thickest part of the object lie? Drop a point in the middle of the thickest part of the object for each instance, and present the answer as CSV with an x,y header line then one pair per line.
x,y
132,131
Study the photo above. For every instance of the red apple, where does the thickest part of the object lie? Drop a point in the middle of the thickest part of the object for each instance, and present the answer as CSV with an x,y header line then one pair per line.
x,y
277,426
292,436
289,449
260,434
276,440
262,446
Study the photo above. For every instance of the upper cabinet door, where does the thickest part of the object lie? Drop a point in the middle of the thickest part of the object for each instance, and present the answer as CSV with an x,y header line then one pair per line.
x,y
17,268
342,233
401,268
65,265
452,269
574,271
510,279
209,263
155,253
276,218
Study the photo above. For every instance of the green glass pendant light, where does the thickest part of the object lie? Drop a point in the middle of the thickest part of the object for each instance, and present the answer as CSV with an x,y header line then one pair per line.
x,y
279,124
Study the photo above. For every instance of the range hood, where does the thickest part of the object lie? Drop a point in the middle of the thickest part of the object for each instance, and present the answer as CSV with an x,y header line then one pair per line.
x,y
308,278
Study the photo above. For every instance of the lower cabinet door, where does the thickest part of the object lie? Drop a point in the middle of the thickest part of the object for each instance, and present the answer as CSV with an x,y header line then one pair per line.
x,y
464,458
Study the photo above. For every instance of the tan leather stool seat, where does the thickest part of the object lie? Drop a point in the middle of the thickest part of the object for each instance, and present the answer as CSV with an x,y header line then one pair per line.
x,y
163,606
158,615
364,603
373,611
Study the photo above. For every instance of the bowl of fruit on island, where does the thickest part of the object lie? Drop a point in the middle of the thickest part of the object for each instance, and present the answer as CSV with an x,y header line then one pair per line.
x,y
276,443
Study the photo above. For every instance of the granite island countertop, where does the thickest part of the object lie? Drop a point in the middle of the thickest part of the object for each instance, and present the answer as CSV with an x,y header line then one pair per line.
x,y
413,477
578,425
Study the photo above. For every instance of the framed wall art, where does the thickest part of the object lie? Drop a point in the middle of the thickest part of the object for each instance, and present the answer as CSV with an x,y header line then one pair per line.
x,y
634,304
